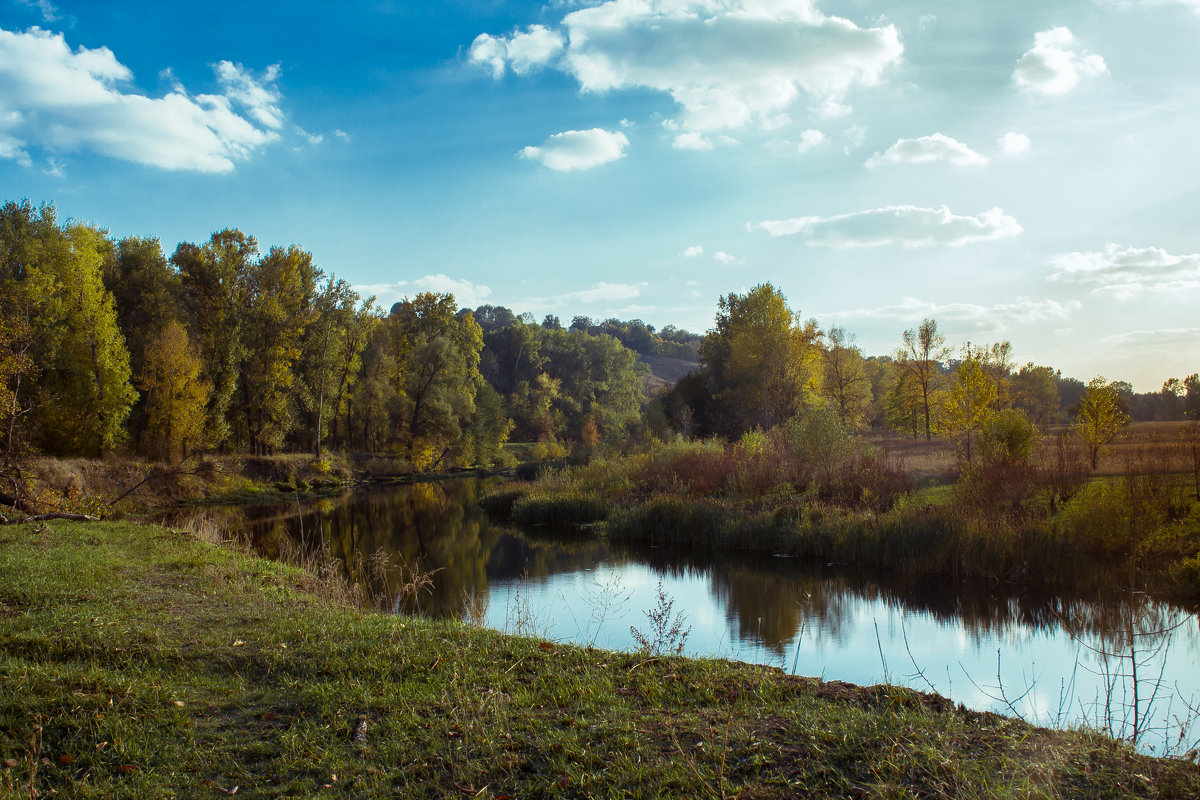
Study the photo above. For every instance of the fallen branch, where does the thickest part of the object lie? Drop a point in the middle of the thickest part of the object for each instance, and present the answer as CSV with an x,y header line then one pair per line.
x,y
48,517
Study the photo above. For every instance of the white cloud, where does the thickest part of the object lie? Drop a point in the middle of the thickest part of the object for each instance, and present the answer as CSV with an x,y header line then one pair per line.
x,y
14,149
49,11
74,100
466,293
573,150
341,134
523,52
693,251
727,259
903,226
259,95
601,292
853,138
1001,316
692,141
926,150
1129,271
1055,64
1014,144
726,63
811,139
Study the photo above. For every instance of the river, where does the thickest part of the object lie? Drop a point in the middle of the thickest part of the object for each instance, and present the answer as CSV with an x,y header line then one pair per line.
x,y
1123,663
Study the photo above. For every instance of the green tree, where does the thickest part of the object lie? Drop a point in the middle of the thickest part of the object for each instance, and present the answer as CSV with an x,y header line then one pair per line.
x,y
215,280
332,352
920,358
279,295
1034,390
971,396
84,390
176,395
436,377
763,363
1099,417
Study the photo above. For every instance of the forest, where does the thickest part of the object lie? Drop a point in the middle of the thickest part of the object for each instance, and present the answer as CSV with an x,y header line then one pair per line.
x,y
113,346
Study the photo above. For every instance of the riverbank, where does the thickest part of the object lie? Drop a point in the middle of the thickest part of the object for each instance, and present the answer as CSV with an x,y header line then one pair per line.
x,y
138,661
1046,528
123,487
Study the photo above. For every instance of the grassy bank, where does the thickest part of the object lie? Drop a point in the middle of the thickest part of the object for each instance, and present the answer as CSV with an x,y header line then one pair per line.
x,y
137,662
1049,526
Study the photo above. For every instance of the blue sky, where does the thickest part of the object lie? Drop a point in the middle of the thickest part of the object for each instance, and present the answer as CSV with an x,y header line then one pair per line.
x,y
1023,170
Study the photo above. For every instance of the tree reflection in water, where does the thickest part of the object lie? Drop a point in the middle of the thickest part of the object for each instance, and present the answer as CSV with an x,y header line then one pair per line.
x,y
1120,642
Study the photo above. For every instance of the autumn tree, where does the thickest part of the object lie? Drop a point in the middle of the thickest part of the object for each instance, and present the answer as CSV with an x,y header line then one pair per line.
x,y
176,395
971,396
846,380
84,392
1099,417
215,280
332,354
920,358
1034,390
763,363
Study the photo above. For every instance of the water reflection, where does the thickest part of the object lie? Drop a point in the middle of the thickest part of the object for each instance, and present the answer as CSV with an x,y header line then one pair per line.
x,y
1121,661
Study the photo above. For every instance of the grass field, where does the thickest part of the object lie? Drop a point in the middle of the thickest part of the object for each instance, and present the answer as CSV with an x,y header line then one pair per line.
x,y
137,662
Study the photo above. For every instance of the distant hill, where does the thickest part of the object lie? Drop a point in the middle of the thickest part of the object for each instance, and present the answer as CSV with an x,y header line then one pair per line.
x,y
666,371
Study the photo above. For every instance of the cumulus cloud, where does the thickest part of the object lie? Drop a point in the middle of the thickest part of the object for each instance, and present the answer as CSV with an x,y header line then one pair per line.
x,y
1001,316
1014,144
466,293
1055,64
693,251
1129,271
523,52
811,139
77,100
927,150
903,226
573,150
726,64
692,141
853,138
724,258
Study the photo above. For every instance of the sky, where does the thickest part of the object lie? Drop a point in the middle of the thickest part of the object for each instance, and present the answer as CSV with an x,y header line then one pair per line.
x,y
1021,171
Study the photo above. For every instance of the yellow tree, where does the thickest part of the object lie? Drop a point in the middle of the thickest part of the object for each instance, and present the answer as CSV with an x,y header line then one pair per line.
x,y
970,399
920,358
1100,416
176,397
846,382
763,362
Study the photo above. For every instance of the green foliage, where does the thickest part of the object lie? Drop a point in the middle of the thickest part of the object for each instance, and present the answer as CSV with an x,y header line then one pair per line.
x,y
920,359
762,362
1008,436
84,393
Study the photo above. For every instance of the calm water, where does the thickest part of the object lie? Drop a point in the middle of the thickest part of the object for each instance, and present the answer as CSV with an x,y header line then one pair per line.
x,y
1122,663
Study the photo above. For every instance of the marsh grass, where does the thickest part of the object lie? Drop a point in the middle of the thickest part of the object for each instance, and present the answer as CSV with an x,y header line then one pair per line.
x,y
140,663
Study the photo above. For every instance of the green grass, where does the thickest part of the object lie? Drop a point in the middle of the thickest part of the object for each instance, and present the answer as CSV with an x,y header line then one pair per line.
x,y
136,662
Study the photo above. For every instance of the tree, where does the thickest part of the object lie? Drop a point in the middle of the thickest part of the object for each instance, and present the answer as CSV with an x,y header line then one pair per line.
x,y
846,381
215,280
84,394
436,377
1099,417
920,357
279,293
332,352
762,362
176,396
970,399
1034,390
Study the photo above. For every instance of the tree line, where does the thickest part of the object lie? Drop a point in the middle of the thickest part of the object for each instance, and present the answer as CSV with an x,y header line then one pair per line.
x,y
111,345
